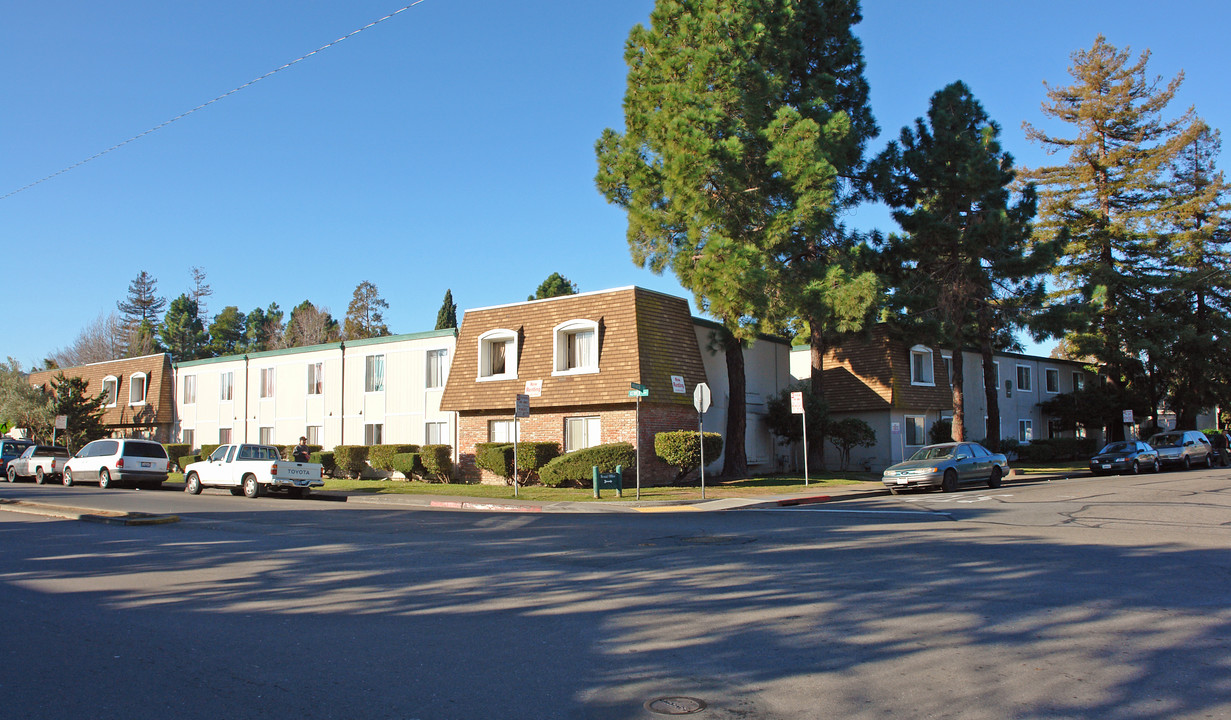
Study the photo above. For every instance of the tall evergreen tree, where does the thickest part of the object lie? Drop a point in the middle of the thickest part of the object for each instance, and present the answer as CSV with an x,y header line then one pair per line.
x,y
200,290
963,259
365,314
143,303
182,332
226,332
555,285
1108,199
264,329
730,154
83,411
446,317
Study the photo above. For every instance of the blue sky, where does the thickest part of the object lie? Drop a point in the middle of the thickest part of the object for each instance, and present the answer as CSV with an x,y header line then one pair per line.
x,y
450,147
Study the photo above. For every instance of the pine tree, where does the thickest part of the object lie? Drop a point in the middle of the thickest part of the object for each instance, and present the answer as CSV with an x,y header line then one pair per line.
x,y
446,317
200,291
731,154
963,264
182,332
143,303
83,411
1107,198
556,285
365,316
226,332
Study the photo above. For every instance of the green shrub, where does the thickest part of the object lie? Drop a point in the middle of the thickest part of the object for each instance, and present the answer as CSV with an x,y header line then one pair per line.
x,y
437,462
940,432
681,449
381,456
186,460
576,468
350,460
325,460
406,463
207,450
175,451
497,458
1053,450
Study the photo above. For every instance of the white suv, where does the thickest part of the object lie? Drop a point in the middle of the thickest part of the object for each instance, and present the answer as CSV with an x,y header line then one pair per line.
x,y
109,462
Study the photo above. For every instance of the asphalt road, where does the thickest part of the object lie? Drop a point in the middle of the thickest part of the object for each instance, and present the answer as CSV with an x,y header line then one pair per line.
x,y
1099,598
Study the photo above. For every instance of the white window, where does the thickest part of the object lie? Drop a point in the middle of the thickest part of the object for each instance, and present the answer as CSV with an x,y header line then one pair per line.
x,y
374,375
500,431
437,363
436,433
267,383
111,387
136,389
921,366
188,437
190,389
581,433
948,361
1023,378
1051,379
316,378
266,435
914,430
313,433
226,385
373,434
576,347
224,436
1079,383
995,375
498,355
1025,430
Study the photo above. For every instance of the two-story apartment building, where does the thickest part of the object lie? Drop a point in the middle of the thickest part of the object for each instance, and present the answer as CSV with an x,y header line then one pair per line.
x,y
138,394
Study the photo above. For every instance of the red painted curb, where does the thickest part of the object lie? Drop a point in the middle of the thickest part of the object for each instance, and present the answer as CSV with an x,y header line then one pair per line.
x,y
804,501
484,506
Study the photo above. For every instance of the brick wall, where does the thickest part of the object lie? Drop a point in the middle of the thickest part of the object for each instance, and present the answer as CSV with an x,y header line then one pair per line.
x,y
617,424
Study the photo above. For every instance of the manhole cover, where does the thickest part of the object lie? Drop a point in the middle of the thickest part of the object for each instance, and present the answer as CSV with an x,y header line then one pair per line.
x,y
675,705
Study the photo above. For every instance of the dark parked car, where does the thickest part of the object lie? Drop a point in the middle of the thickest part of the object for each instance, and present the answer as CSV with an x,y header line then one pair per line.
x,y
1131,456
946,466
1184,448
11,448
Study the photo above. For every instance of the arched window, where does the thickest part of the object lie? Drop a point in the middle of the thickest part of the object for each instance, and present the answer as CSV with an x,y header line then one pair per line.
x,y
921,366
576,347
111,390
498,355
136,388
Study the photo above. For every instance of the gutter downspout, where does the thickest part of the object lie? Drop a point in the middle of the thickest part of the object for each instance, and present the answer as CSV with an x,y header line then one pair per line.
x,y
342,398
245,397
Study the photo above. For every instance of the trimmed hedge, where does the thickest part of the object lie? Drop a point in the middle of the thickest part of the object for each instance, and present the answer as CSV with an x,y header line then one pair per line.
x,y
350,460
1051,450
207,450
325,459
175,451
188,460
437,461
406,463
682,450
380,457
577,467
497,458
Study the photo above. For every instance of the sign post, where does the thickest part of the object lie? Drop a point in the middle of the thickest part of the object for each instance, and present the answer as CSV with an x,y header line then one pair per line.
x,y
637,390
797,408
522,410
701,401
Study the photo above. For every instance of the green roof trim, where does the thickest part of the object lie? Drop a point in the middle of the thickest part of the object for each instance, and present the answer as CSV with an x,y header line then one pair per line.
x,y
449,332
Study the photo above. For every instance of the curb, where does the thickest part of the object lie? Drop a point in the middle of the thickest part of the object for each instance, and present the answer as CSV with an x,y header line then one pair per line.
x,y
95,516
467,505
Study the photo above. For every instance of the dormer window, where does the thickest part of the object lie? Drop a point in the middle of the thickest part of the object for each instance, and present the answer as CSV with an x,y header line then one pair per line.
x,y
498,355
576,347
111,390
921,366
136,389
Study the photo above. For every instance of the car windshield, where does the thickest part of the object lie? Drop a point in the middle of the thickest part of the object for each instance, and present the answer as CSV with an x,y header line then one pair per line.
x,y
1118,447
1175,440
934,452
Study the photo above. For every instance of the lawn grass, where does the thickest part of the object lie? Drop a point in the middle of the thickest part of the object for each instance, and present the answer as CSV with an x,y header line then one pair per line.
x,y
714,489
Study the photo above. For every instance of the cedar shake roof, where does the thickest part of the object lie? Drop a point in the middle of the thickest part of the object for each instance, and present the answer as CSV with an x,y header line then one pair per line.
x,y
159,394
643,336
874,374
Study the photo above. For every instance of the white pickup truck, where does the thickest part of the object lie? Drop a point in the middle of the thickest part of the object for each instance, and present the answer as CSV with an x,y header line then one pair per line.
x,y
252,470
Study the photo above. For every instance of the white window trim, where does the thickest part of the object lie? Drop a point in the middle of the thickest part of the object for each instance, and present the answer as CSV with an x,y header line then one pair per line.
x,y
1079,381
184,390
320,378
560,347
946,361
1029,376
115,396
1022,423
444,368
1047,373
906,422
510,363
996,372
930,362
222,384
273,386
597,420
145,388
384,373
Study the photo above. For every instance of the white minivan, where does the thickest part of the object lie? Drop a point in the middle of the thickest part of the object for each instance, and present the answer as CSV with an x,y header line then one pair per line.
x,y
114,461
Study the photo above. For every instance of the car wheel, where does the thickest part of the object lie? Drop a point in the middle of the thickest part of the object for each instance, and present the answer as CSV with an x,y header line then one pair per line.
x,y
68,478
1158,466
12,474
1136,469
39,477
252,488
192,485
949,483
1209,461
1188,462
994,481
104,479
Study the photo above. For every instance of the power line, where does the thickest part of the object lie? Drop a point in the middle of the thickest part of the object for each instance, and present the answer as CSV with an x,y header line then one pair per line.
x,y
204,105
